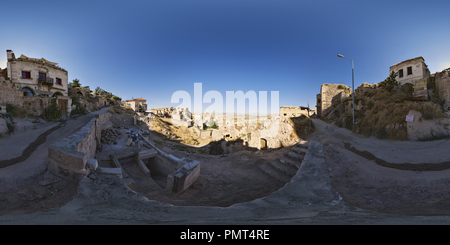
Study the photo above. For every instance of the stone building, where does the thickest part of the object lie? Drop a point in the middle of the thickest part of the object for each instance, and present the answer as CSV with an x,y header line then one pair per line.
x,y
30,84
442,81
138,104
36,77
294,111
415,72
330,96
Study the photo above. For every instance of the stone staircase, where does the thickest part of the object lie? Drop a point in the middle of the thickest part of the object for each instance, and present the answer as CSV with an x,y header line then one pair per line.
x,y
285,167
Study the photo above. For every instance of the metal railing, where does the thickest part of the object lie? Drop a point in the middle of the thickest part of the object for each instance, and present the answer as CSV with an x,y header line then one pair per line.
x,y
46,80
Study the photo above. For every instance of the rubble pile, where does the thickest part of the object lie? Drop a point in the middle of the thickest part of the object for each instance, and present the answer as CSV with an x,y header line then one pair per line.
x,y
110,135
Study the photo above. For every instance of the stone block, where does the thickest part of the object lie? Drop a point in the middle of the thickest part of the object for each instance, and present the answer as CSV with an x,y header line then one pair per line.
x,y
92,164
205,134
147,154
143,167
216,134
112,171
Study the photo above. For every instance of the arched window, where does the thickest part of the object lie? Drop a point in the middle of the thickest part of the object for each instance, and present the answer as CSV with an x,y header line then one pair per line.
x,y
27,92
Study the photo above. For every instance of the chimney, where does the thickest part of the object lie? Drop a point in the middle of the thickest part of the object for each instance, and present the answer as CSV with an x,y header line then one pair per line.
x,y
9,54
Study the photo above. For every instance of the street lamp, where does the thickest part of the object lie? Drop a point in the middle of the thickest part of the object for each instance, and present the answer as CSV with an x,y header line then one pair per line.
x,y
353,88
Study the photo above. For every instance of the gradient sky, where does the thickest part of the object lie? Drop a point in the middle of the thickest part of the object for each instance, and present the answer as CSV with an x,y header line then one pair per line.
x,y
151,49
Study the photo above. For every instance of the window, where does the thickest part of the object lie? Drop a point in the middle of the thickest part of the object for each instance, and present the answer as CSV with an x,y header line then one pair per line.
x,y
58,81
409,70
42,76
26,74
400,73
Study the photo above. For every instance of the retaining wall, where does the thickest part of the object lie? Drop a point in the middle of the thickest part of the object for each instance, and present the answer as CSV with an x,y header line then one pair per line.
x,y
421,129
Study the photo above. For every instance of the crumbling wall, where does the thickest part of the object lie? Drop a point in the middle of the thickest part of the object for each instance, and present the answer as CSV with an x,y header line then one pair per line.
x,y
330,97
10,93
442,81
293,111
68,156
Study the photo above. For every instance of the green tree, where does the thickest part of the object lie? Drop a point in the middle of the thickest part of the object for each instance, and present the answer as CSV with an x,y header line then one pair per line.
x,y
76,83
390,82
115,97
98,90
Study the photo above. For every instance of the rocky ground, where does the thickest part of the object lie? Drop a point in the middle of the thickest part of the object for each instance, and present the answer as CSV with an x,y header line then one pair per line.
x,y
354,189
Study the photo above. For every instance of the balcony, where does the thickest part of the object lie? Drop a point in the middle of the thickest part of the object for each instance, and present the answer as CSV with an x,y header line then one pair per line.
x,y
45,80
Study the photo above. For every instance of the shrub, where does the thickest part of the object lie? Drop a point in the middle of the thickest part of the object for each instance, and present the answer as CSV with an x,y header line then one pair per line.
x,y
79,108
14,111
214,126
52,111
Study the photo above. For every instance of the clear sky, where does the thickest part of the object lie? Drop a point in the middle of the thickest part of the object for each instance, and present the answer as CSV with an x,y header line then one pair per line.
x,y
151,49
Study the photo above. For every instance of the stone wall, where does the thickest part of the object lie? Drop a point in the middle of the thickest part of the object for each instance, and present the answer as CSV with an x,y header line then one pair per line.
x,y
68,156
293,111
184,177
330,97
10,93
442,81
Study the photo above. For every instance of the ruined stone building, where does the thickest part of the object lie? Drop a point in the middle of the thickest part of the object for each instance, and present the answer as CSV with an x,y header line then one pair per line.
x,y
442,81
138,104
330,96
31,83
294,111
414,72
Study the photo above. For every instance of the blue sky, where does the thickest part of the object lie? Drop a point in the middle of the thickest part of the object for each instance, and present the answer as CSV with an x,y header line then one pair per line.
x,y
151,49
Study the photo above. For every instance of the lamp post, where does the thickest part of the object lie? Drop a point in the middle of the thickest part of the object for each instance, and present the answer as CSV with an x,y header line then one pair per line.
x,y
353,88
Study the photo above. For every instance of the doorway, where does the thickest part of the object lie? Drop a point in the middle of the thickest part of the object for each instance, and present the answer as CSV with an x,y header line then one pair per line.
x,y
62,107
263,144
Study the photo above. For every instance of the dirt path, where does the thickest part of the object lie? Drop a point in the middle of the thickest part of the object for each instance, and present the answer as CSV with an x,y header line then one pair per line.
x,y
29,149
361,179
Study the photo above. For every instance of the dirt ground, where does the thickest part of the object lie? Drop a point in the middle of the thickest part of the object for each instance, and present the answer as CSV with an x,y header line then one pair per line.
x,y
379,181
361,182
